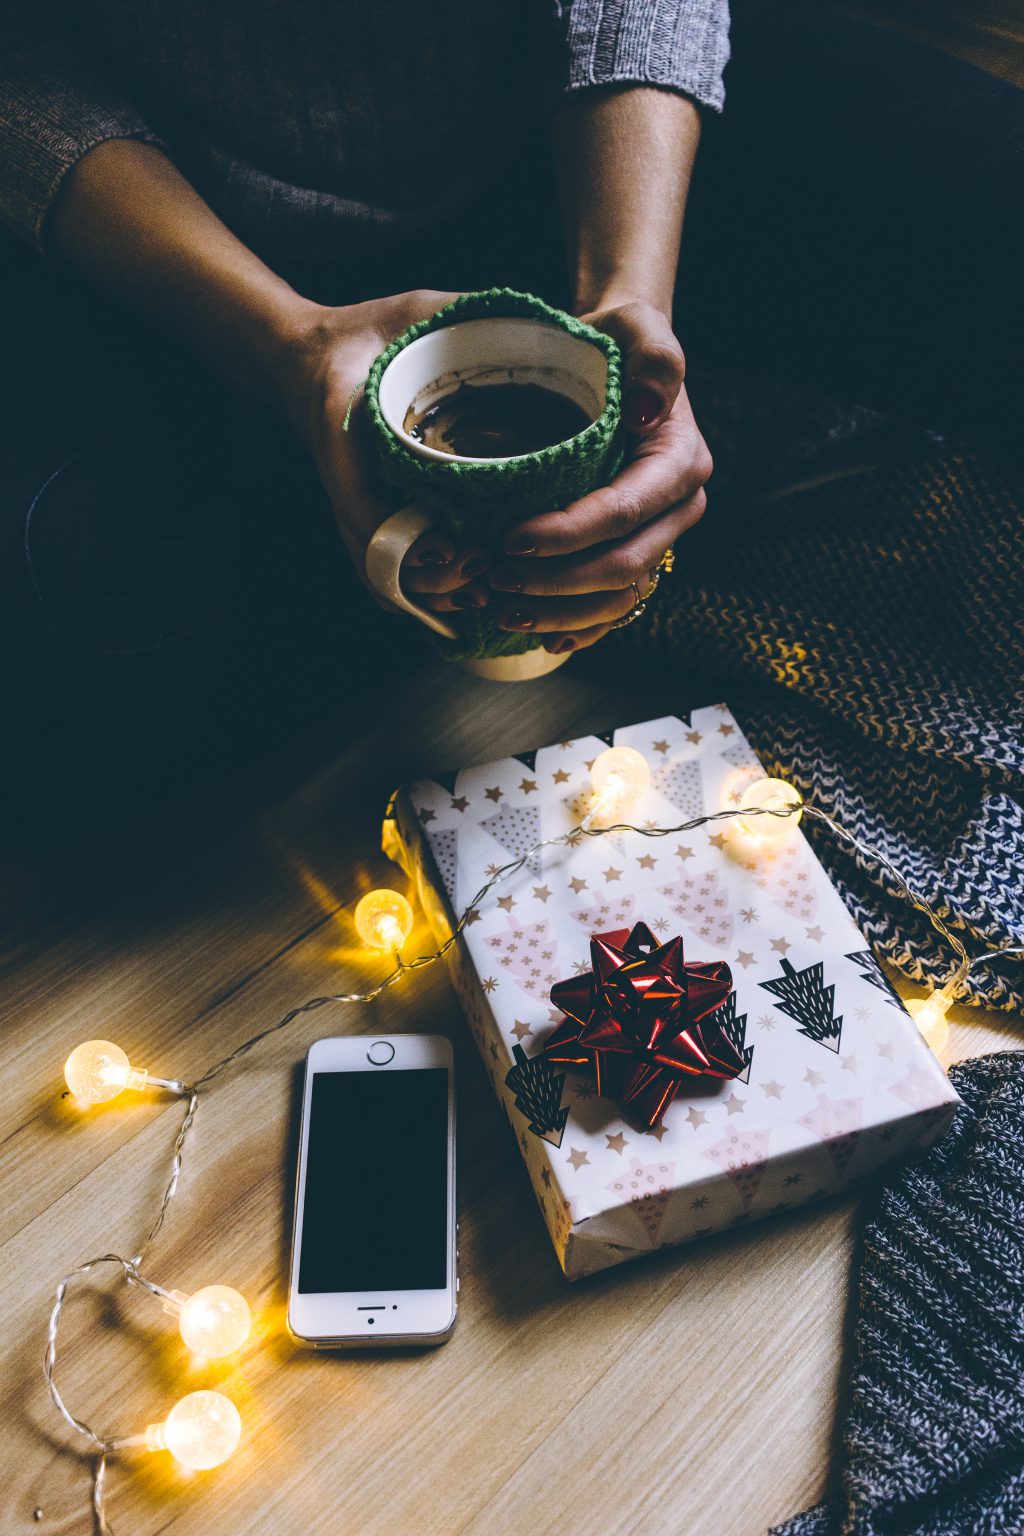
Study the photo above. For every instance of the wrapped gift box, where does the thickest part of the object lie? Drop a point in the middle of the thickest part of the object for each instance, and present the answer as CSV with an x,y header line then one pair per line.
x,y
836,1080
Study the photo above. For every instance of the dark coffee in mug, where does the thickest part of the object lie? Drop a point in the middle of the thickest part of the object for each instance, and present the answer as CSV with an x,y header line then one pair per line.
x,y
496,421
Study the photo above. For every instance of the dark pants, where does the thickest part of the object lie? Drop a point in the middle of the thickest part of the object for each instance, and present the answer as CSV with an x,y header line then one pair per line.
x,y
172,586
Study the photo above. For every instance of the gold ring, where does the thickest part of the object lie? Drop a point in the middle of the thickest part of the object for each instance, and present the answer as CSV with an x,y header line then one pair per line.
x,y
636,610
667,561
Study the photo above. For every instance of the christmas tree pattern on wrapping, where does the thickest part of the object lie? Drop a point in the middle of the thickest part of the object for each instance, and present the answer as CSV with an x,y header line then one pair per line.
x,y
682,786
804,997
444,845
864,960
538,1093
517,829
734,1027
608,913
742,757
700,901
743,1157
529,954
837,1123
778,873
579,806
917,1088
648,1188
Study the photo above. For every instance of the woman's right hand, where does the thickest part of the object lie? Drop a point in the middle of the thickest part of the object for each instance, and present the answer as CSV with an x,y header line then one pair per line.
x,y
322,371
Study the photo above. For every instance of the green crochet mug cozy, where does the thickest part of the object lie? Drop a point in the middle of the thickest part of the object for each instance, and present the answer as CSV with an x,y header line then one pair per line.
x,y
486,499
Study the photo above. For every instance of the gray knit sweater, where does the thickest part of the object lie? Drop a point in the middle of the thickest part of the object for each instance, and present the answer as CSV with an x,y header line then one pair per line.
x,y
306,122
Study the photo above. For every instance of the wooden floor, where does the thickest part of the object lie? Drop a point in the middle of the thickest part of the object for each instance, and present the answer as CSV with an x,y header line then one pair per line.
x,y
691,1395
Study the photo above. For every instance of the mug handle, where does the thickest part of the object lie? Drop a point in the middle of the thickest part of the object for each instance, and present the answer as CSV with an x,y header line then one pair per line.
x,y
384,555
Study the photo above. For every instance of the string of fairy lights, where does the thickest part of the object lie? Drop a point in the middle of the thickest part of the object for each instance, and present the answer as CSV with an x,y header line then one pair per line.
x,y
204,1427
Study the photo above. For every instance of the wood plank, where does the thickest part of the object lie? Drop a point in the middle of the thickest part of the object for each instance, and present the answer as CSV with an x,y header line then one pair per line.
x,y
632,1402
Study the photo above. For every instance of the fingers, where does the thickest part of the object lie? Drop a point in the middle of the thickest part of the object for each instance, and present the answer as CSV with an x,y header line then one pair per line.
x,y
660,476
436,564
461,600
653,364
605,567
568,613
560,645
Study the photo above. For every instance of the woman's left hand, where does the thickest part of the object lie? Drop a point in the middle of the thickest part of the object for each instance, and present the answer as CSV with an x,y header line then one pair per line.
x,y
571,574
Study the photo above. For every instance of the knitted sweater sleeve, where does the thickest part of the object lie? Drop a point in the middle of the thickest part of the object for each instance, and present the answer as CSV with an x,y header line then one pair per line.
x,y
682,44
56,103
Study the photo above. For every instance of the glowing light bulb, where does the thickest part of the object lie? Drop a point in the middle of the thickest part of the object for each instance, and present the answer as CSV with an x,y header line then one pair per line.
x,y
200,1432
770,795
98,1070
213,1321
619,777
929,1014
384,919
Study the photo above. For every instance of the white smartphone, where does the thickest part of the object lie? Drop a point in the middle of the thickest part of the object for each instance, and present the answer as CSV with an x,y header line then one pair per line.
x,y
374,1257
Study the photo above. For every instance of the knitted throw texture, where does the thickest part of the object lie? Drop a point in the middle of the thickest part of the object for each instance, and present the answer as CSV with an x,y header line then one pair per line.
x,y
933,1440
485,500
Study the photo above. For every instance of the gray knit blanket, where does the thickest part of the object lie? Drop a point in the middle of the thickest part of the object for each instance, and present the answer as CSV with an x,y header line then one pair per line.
x,y
933,1435
868,633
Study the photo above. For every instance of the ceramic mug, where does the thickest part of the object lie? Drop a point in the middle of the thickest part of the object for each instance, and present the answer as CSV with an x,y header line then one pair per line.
x,y
494,349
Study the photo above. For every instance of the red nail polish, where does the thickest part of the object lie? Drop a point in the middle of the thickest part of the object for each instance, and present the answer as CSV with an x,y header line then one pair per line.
x,y
519,619
641,407
518,544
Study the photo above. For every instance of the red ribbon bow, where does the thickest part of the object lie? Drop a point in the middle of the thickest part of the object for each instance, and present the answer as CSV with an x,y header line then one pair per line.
x,y
644,1020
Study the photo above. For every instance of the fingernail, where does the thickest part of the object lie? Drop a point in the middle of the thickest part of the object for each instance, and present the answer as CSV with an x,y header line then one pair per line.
x,y
640,408
505,580
467,600
567,643
475,567
434,557
519,544
518,619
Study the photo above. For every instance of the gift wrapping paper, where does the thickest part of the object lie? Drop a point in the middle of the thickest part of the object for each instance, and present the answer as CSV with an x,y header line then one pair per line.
x,y
837,1079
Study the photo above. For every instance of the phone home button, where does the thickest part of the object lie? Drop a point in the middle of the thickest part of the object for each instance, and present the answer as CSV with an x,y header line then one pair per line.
x,y
380,1053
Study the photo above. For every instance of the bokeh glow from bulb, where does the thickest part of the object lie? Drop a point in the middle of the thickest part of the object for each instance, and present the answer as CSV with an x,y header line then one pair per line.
x,y
384,919
619,777
215,1321
200,1432
929,1014
98,1070
770,795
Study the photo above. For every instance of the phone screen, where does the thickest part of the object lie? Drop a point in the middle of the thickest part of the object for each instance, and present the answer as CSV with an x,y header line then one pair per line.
x,y
375,1208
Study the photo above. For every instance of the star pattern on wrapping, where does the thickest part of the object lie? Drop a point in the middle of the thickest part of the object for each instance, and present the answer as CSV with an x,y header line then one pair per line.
x,y
744,958
684,853
647,861
490,984
459,803
521,1030
545,1174
718,840
696,1116
791,1179
699,1204
694,738
528,786
862,1013
576,885
748,914
617,1142
850,1064
560,776
427,815
734,1105
494,794
726,730
661,746
816,934
578,1158
887,1050
771,1089
781,946
472,916
611,873
814,1078
658,1131
766,1022
506,903
541,892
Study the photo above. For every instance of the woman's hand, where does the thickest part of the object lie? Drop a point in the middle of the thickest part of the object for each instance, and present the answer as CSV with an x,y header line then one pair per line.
x,y
572,571
325,366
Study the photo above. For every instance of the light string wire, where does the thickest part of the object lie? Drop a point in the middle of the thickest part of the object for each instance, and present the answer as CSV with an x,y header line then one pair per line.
x,y
105,1446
